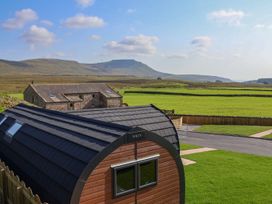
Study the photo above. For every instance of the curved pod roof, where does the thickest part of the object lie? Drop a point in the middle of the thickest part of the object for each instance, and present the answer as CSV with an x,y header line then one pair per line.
x,y
55,152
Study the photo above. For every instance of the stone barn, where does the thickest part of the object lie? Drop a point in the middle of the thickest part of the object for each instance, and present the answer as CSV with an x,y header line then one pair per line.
x,y
64,97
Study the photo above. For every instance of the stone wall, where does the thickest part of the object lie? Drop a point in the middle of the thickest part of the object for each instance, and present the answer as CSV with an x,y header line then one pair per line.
x,y
32,97
58,106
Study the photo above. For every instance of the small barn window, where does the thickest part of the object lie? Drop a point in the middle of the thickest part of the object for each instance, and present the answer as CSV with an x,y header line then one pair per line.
x,y
14,129
3,120
124,179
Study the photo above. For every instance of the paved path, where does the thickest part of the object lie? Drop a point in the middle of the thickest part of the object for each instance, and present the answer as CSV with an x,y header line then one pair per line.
x,y
231,143
187,162
186,127
262,134
197,150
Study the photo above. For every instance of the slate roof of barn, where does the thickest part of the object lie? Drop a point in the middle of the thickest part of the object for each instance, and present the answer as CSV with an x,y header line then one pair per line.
x,y
61,92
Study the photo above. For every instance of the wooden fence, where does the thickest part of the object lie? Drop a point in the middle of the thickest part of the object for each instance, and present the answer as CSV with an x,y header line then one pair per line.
x,y
225,120
13,190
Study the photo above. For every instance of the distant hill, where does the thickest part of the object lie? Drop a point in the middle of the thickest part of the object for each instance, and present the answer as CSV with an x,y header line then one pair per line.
x,y
260,81
126,67
43,66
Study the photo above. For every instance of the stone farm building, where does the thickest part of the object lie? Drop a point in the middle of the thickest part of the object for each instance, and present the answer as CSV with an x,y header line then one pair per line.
x,y
72,96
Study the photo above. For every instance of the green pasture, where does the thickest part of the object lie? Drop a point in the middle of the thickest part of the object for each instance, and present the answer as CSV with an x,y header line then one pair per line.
x,y
216,91
226,177
188,146
201,105
268,136
241,130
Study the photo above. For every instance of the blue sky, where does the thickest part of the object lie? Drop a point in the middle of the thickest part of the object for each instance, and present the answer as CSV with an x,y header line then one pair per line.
x,y
231,38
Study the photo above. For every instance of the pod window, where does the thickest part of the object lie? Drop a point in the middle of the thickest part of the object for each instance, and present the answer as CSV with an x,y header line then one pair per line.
x,y
3,120
14,129
147,173
125,180
135,175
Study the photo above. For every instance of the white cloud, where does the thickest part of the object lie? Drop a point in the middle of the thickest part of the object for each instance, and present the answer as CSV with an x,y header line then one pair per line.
x,y
263,26
82,21
230,17
260,26
177,56
21,18
95,37
131,11
140,44
85,3
38,36
47,23
201,41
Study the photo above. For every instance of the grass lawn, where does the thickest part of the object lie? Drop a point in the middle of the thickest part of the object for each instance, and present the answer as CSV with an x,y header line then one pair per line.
x,y
17,95
268,136
241,130
228,106
227,177
188,146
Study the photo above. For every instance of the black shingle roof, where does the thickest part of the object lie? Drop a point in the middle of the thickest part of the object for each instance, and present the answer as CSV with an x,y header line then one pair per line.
x,y
52,149
146,117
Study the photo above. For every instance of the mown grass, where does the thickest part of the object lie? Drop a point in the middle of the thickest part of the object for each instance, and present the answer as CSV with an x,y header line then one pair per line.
x,y
268,136
241,130
227,177
188,146
235,106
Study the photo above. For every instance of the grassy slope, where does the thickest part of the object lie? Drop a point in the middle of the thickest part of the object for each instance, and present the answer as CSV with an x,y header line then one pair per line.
x,y
188,146
226,177
237,106
268,136
233,129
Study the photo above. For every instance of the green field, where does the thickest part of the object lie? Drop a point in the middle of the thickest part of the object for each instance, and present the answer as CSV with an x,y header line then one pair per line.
x,y
221,91
196,105
228,106
268,136
241,130
227,177
188,146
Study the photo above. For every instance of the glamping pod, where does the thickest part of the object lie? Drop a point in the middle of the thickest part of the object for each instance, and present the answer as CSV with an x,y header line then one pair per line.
x,y
126,155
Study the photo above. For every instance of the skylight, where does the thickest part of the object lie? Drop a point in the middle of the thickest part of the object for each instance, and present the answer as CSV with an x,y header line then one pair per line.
x,y
3,120
14,129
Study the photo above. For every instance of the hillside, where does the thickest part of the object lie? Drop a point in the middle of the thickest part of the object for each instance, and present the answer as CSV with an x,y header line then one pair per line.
x,y
43,67
260,81
124,67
